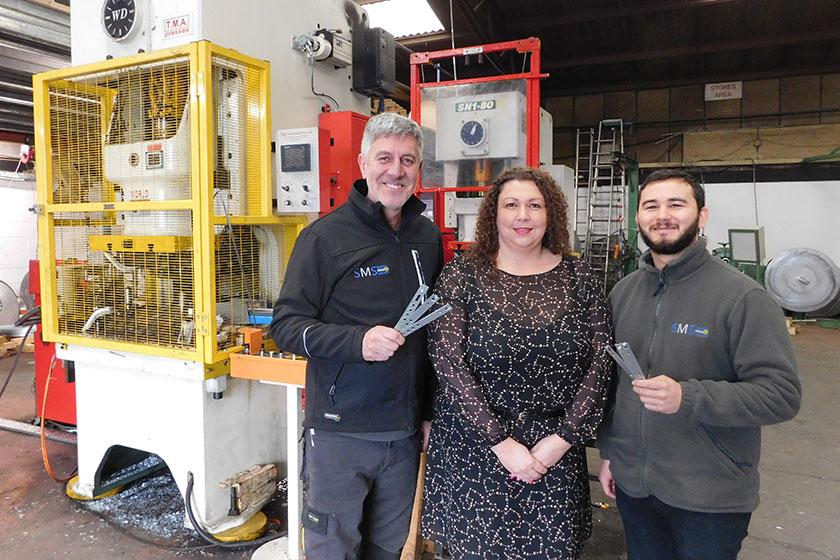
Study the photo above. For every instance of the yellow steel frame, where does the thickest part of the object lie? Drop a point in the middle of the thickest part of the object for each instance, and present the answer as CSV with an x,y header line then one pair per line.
x,y
200,55
141,243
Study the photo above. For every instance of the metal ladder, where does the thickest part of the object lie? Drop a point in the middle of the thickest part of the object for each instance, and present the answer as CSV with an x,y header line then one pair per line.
x,y
583,170
606,204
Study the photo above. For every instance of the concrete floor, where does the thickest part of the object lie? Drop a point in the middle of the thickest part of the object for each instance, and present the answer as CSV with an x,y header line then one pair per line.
x,y
799,516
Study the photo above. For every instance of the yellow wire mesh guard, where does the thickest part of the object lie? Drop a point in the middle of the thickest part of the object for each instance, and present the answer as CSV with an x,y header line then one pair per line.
x,y
157,204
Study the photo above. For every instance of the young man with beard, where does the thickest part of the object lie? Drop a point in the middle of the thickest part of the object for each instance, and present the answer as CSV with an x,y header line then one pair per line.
x,y
681,448
368,388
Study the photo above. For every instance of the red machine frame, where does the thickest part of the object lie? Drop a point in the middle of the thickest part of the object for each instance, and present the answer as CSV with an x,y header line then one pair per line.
x,y
532,79
61,400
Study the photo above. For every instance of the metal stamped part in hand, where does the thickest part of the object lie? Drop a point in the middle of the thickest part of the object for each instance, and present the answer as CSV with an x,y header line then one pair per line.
x,y
413,319
624,357
416,300
437,314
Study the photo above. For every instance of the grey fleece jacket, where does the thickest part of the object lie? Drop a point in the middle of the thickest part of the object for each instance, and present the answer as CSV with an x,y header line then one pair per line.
x,y
723,338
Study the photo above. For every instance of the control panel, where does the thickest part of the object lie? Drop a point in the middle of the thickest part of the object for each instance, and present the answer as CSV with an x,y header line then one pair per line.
x,y
298,177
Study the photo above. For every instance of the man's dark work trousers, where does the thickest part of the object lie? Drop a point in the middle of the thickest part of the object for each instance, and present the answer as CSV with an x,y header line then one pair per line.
x,y
657,531
359,497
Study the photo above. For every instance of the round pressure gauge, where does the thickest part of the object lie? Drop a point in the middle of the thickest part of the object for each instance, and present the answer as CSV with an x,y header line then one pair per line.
x,y
119,18
472,133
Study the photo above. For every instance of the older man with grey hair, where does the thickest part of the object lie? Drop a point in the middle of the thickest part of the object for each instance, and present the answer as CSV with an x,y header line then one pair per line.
x,y
368,388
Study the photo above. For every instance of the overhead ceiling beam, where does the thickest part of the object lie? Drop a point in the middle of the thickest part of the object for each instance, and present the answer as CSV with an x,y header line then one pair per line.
x,y
494,18
558,63
611,12
476,22
553,87
438,37
480,19
476,26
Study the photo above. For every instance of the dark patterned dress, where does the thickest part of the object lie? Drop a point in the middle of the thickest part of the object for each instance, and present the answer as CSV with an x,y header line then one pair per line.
x,y
530,346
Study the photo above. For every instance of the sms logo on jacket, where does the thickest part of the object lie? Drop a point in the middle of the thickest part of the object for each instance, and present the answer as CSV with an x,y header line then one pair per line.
x,y
370,271
690,330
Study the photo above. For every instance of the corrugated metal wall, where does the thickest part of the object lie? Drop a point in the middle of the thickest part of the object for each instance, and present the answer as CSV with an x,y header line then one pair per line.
x,y
33,38
661,116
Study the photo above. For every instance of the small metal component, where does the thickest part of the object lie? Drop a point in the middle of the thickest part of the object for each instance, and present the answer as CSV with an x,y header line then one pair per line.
x,y
234,507
415,302
425,306
421,279
412,318
216,386
427,319
624,357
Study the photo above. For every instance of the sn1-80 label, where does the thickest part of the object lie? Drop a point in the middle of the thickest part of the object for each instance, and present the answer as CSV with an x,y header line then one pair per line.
x,y
467,106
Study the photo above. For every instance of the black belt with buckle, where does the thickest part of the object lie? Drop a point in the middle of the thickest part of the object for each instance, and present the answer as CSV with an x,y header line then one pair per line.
x,y
529,415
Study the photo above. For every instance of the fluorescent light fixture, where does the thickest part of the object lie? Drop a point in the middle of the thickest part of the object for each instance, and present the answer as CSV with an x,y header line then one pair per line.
x,y
402,18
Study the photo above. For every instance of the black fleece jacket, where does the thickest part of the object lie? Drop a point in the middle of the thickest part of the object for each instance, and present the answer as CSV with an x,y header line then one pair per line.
x,y
348,272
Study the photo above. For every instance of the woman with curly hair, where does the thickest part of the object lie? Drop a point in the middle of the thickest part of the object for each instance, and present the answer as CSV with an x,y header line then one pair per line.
x,y
522,382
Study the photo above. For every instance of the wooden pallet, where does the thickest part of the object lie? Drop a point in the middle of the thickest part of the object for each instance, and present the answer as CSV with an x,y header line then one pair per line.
x,y
253,486
9,346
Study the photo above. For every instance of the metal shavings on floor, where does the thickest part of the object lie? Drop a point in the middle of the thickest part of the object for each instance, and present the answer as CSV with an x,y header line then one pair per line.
x,y
150,509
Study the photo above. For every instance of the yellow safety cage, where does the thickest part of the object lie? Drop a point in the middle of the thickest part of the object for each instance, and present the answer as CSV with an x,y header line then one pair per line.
x,y
156,232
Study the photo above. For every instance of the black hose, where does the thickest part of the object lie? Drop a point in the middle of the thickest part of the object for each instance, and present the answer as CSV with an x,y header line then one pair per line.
x,y
28,319
31,317
17,359
209,537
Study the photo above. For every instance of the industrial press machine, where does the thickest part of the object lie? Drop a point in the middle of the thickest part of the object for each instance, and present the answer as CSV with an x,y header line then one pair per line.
x,y
158,243
475,127
164,230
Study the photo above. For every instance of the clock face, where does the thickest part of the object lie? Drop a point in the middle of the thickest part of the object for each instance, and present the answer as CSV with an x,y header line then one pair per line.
x,y
472,133
119,18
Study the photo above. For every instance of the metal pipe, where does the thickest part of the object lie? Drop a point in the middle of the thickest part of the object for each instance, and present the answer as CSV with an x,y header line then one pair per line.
x,y
30,430
15,101
452,34
101,312
118,265
14,86
650,124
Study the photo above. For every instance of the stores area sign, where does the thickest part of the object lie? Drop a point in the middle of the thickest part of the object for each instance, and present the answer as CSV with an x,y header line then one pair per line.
x,y
723,90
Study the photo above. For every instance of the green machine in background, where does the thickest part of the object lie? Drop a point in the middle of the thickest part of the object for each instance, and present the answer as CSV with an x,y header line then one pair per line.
x,y
631,245
745,251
